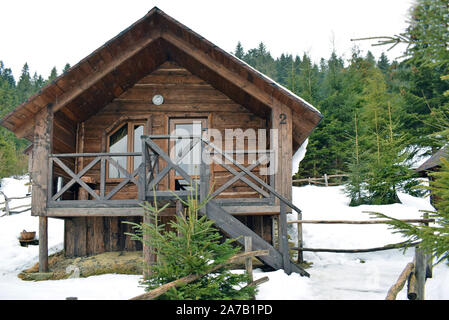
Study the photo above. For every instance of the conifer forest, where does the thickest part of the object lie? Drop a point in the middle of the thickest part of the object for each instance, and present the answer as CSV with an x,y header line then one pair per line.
x,y
378,113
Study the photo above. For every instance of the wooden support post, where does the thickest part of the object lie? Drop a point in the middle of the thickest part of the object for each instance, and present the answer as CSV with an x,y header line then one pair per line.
x,y
325,180
249,260
43,244
43,128
42,146
281,119
283,239
149,257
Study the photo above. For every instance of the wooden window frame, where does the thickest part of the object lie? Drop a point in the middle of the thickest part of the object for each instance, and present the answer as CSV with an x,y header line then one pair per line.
x,y
130,145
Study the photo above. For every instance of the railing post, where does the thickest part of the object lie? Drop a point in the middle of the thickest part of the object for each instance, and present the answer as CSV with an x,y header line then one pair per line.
x,y
325,180
283,239
143,172
300,242
204,174
102,177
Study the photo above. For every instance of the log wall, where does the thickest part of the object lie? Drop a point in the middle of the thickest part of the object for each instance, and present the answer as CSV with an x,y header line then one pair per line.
x,y
185,95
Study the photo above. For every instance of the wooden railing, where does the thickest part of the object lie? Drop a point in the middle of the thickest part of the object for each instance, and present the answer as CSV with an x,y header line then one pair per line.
x,y
148,176
99,198
154,175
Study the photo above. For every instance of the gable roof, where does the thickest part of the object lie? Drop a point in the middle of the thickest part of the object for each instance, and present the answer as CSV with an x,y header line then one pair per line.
x,y
110,70
434,161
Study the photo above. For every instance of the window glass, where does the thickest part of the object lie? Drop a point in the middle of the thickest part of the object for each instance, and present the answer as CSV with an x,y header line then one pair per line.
x,y
118,143
138,131
191,162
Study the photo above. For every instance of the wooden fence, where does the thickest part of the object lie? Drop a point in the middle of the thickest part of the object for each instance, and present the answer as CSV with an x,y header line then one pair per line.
x,y
325,180
7,207
415,273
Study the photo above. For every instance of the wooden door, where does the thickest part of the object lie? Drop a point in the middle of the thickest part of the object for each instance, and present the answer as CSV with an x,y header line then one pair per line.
x,y
191,162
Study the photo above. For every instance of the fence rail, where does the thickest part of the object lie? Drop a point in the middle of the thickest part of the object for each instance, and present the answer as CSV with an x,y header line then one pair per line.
x,y
415,273
7,208
325,178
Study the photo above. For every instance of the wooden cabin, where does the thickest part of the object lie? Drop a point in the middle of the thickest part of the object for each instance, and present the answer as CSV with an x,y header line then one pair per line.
x,y
433,164
116,130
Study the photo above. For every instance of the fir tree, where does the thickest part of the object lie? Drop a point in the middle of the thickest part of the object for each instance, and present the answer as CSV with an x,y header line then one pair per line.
x,y
239,52
193,247
66,67
53,75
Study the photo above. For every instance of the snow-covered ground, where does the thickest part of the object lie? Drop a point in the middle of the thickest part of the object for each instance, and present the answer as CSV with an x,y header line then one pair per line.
x,y
333,275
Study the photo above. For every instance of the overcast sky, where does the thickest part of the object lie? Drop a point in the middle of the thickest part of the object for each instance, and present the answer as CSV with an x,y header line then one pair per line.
x,y
48,33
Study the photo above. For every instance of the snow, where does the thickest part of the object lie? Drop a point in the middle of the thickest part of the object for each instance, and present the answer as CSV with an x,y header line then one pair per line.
x,y
363,276
333,275
299,155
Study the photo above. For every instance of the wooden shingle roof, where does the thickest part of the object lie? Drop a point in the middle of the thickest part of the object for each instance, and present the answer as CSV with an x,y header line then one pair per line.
x,y
110,70
434,161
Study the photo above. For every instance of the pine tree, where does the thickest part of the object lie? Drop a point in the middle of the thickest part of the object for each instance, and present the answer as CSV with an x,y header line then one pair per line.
x,y
24,85
66,67
434,239
386,169
383,64
239,52
53,75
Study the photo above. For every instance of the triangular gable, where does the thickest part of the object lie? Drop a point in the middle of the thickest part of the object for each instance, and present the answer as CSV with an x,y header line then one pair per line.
x,y
114,67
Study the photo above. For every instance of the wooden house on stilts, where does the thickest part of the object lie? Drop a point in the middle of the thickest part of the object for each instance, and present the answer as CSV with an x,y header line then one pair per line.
x,y
134,119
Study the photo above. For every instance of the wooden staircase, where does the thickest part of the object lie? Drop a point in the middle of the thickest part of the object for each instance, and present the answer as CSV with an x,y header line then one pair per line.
x,y
236,229
277,259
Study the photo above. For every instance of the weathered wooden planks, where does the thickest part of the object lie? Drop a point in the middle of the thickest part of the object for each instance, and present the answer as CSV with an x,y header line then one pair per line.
x,y
85,236
43,129
184,95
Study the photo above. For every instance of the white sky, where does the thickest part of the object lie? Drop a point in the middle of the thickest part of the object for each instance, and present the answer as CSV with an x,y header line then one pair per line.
x,y
48,33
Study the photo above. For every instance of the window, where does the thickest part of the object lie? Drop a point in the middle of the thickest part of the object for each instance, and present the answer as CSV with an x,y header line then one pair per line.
x,y
125,138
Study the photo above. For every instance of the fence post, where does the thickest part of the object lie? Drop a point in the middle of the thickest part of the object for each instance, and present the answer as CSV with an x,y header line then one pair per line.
x,y
429,259
249,261
420,272
6,205
325,180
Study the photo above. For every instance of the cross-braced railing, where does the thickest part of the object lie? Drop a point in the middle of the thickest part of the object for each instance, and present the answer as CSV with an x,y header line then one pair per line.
x,y
99,197
210,154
